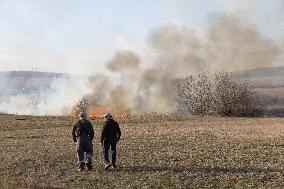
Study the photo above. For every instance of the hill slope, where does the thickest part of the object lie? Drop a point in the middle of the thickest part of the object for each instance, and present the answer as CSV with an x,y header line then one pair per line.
x,y
261,72
269,84
27,82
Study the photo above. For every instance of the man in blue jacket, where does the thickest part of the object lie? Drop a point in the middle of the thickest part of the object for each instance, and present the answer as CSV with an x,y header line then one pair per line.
x,y
83,134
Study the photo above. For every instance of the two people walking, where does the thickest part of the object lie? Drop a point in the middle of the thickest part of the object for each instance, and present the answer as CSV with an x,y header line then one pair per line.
x,y
83,134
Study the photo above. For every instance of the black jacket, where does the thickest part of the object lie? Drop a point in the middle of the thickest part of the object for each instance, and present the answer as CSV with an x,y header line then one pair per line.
x,y
110,131
83,128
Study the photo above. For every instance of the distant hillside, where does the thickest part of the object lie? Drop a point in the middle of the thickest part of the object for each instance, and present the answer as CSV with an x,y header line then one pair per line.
x,y
264,77
269,84
28,82
30,74
260,72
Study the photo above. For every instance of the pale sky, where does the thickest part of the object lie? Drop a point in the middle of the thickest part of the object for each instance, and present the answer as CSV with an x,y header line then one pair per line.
x,y
80,36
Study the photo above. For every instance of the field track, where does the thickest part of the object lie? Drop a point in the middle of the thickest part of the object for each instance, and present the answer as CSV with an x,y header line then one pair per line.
x,y
154,152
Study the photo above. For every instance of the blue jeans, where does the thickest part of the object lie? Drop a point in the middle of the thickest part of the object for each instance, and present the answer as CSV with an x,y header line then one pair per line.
x,y
106,146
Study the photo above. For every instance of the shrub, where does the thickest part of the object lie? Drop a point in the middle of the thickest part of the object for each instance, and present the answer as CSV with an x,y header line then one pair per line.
x,y
218,94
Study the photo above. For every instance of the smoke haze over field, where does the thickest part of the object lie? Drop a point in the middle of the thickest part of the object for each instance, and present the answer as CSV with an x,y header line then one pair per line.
x,y
136,69
39,93
229,44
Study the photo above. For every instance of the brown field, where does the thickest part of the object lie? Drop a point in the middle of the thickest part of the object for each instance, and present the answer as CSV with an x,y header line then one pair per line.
x,y
154,152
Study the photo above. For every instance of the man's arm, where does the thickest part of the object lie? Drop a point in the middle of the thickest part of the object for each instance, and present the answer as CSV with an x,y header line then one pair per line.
x,y
103,132
118,132
74,130
91,131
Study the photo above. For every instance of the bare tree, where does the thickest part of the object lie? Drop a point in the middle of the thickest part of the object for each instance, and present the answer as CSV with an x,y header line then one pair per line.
x,y
218,94
81,106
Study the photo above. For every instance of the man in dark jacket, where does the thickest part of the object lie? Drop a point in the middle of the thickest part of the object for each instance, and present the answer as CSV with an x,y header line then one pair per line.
x,y
83,134
109,138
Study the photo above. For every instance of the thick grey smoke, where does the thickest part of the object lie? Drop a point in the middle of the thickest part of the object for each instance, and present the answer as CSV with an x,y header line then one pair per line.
x,y
138,84
137,89
124,61
239,45
228,44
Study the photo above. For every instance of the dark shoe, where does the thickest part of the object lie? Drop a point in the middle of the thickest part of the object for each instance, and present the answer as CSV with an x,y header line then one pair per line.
x,y
89,166
107,165
81,167
113,166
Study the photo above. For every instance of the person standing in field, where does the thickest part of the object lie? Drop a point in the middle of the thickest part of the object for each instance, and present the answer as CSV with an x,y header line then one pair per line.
x,y
83,134
110,136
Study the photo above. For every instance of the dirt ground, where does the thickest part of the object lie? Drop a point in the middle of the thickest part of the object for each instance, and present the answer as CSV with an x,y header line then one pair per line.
x,y
154,152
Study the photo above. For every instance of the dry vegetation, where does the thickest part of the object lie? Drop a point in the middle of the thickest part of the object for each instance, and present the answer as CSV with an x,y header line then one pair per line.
x,y
155,152
218,94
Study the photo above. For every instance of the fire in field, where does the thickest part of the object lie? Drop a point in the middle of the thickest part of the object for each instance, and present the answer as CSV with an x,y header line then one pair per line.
x,y
99,111
96,111
141,94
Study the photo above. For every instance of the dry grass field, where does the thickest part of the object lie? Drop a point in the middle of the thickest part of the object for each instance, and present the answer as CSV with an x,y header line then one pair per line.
x,y
154,152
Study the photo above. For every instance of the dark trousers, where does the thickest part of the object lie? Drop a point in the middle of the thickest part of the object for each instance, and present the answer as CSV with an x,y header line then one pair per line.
x,y
84,145
106,146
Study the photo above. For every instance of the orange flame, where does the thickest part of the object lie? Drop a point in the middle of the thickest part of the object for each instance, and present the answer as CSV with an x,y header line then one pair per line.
x,y
99,111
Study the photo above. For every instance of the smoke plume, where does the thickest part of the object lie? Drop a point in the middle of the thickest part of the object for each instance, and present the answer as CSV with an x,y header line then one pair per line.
x,y
133,82
229,44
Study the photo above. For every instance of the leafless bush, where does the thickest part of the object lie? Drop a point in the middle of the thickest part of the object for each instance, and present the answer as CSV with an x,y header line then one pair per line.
x,y
218,94
81,106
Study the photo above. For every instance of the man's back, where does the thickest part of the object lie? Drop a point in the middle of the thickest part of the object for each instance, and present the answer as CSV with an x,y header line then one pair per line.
x,y
83,128
83,134
110,131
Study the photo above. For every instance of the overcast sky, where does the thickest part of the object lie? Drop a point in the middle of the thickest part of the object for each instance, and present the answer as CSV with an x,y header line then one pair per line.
x,y
80,36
